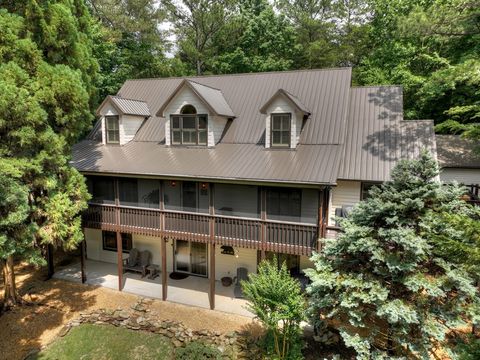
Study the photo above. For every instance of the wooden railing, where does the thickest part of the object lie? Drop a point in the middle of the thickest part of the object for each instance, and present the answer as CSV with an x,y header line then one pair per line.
x,y
268,235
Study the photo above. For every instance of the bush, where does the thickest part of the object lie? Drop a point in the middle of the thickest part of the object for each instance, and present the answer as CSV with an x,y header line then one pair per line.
x,y
469,350
277,301
196,350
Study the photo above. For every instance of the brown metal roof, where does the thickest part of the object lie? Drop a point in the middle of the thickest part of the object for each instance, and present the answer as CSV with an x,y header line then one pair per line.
x,y
308,164
126,106
212,97
456,152
377,137
352,133
292,98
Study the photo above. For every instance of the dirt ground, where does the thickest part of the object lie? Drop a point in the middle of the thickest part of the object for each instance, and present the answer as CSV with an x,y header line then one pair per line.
x,y
55,302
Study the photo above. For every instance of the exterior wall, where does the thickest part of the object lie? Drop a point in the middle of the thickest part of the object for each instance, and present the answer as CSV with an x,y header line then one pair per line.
x,y
216,124
93,238
345,193
226,265
461,175
129,126
282,105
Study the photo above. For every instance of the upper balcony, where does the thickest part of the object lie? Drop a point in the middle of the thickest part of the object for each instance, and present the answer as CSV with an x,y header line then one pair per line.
x,y
278,219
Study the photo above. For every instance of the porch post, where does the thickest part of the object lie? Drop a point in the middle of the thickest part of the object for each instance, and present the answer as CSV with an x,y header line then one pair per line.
x,y
119,260
163,242
211,210
50,265
321,197
263,216
82,260
164,268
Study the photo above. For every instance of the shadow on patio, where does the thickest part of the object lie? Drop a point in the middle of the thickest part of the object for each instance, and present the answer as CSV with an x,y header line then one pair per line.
x,y
190,291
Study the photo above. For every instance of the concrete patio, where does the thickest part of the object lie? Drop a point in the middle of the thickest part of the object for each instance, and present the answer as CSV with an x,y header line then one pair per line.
x,y
190,291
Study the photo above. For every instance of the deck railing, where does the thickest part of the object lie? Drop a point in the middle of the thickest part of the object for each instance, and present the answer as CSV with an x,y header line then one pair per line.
x,y
268,235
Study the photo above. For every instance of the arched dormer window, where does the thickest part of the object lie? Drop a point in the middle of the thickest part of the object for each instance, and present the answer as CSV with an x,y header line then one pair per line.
x,y
189,128
188,110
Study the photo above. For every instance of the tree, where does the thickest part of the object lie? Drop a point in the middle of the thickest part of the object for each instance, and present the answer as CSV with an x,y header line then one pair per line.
x,y
384,280
276,300
44,108
130,43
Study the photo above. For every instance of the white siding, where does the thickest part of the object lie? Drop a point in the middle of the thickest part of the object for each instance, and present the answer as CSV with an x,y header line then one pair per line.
x,y
345,193
226,265
282,105
463,176
216,125
129,126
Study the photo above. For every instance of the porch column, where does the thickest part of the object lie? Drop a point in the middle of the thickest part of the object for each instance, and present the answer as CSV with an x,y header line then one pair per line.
x,y
321,197
82,260
119,260
263,216
211,210
164,268
164,241
50,265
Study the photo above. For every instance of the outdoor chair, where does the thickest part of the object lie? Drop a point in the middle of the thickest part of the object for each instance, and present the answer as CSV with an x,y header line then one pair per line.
x,y
242,274
141,263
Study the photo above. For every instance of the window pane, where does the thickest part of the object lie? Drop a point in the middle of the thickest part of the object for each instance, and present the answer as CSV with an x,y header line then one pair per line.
x,y
128,192
102,190
285,137
285,122
109,240
276,137
189,137
276,123
113,136
189,196
202,122
175,122
176,137
189,122
112,122
202,137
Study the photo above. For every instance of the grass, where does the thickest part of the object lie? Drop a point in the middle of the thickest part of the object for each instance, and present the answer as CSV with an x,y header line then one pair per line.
x,y
101,342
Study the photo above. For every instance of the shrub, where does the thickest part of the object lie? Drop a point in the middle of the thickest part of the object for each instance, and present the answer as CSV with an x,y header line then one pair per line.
x,y
196,350
277,301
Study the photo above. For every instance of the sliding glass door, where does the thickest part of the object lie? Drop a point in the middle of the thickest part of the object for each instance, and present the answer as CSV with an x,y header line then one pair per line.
x,y
191,257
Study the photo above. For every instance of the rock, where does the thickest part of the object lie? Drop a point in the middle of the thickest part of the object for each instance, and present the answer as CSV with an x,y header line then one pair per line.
x,y
64,331
177,343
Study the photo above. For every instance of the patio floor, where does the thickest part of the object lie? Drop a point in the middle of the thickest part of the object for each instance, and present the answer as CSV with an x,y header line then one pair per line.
x,y
190,291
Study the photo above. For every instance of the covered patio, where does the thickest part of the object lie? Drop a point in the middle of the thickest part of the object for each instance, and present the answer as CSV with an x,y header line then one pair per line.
x,y
192,291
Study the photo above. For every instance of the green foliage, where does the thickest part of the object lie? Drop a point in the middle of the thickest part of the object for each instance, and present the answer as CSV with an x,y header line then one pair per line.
x,y
469,350
46,84
385,283
276,300
197,350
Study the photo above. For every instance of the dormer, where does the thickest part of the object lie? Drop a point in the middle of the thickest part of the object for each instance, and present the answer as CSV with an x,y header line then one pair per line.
x,y
285,115
196,115
120,119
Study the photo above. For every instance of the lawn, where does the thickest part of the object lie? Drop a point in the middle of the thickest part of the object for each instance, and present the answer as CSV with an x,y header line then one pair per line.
x,y
108,342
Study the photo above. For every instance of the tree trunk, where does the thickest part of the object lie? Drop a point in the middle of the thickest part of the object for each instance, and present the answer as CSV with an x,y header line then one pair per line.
x,y
10,295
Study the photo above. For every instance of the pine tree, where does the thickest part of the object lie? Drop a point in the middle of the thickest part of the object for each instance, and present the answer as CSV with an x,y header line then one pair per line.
x,y
384,281
44,108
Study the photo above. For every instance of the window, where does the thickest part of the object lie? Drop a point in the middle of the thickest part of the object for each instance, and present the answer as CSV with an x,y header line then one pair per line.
x,y
284,204
189,128
189,196
280,130
113,129
102,189
365,189
109,239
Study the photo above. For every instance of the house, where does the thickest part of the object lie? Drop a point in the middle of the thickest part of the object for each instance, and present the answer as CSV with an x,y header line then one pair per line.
x,y
459,161
214,173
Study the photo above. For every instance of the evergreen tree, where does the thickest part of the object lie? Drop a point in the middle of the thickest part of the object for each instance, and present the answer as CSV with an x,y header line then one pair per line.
x,y
384,280
44,108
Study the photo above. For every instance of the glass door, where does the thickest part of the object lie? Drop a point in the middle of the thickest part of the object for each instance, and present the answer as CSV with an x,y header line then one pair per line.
x,y
191,257
199,258
182,256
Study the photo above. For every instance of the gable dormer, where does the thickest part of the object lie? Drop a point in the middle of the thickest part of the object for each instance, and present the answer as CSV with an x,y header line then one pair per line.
x,y
285,115
121,118
196,115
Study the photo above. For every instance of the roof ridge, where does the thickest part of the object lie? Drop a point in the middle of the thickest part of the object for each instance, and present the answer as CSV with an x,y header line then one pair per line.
x,y
243,74
211,87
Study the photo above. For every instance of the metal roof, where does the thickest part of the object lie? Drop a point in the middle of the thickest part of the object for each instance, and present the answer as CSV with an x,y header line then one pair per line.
x,y
292,98
456,152
351,134
212,97
308,164
126,106
377,137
